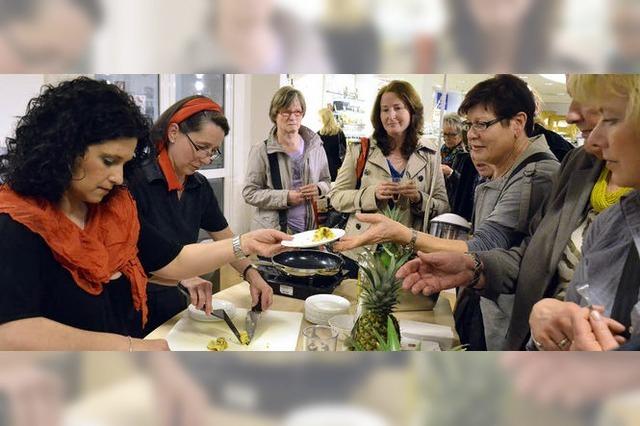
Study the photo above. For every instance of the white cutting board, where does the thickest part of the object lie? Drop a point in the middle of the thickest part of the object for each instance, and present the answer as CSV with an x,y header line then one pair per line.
x,y
276,331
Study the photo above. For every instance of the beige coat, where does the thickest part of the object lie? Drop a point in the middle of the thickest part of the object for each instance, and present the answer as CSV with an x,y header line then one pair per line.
x,y
421,166
258,188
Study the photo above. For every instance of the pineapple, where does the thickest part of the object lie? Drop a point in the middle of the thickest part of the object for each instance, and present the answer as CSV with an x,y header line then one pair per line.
x,y
380,291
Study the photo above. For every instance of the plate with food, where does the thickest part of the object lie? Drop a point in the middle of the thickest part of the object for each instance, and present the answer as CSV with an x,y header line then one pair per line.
x,y
314,238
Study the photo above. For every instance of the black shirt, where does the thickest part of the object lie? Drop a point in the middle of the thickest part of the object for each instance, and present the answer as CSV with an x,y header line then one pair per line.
x,y
178,220
33,284
335,147
557,144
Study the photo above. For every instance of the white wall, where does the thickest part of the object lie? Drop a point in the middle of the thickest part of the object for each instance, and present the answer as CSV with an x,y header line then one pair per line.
x,y
250,124
16,92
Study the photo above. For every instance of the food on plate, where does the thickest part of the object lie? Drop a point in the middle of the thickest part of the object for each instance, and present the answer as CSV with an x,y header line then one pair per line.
x,y
244,338
218,345
323,233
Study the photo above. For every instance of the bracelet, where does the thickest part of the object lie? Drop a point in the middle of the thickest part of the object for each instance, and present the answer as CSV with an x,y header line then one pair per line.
x,y
130,344
414,237
237,248
477,270
246,269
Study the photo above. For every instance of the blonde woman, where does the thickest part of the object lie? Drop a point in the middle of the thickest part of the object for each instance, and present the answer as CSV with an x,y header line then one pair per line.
x,y
333,140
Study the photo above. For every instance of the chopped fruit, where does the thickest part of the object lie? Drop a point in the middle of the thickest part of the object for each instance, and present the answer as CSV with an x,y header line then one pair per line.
x,y
220,344
322,233
244,338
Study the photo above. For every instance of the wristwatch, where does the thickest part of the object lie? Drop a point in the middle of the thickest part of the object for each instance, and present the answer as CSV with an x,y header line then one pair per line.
x,y
237,248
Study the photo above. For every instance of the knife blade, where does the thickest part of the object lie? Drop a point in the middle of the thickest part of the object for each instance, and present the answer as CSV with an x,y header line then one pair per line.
x,y
251,320
220,313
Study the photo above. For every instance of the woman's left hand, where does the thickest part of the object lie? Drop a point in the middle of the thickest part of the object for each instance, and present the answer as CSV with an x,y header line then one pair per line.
x,y
200,291
550,324
382,230
261,292
410,191
310,191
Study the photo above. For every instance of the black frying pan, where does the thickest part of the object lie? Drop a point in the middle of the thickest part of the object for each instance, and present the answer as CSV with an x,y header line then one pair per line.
x,y
305,263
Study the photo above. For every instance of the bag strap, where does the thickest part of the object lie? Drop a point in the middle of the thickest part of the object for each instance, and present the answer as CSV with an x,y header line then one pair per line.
x,y
627,292
362,160
276,180
534,158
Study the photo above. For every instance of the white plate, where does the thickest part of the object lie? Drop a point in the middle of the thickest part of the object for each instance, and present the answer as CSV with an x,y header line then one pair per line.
x,y
320,307
198,315
305,239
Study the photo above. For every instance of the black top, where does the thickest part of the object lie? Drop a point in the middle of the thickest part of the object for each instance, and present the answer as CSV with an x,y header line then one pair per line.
x,y
33,284
178,220
461,185
335,146
557,144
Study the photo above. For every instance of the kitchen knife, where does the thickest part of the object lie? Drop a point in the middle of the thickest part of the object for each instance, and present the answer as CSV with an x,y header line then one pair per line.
x,y
251,320
220,313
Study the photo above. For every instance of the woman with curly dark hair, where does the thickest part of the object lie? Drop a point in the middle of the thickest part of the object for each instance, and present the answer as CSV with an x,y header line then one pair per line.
x,y
74,255
178,201
401,169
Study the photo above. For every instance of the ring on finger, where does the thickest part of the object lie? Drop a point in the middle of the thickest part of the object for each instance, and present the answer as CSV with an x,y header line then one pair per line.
x,y
564,343
538,344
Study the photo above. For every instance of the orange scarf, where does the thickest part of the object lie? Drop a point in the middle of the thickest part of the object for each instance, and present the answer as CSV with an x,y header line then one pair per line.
x,y
107,244
190,108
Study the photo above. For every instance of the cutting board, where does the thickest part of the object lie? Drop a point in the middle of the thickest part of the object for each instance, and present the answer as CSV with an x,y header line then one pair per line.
x,y
276,331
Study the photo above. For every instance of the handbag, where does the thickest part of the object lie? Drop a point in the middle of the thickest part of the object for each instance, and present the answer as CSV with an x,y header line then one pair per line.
x,y
336,219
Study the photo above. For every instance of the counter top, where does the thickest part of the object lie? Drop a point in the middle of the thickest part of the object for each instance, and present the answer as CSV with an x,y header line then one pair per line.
x,y
239,295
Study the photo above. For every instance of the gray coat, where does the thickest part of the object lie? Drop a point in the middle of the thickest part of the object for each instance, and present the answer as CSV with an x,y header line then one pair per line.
x,y
258,189
530,269
509,204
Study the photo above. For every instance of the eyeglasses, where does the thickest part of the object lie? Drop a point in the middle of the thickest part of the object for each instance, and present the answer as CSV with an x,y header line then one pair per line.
x,y
450,135
287,114
213,153
479,126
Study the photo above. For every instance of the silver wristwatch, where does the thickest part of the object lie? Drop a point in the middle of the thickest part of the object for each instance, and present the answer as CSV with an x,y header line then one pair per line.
x,y
237,249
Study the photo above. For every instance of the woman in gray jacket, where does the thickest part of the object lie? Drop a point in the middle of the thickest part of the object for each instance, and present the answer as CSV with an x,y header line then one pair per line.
x,y
288,170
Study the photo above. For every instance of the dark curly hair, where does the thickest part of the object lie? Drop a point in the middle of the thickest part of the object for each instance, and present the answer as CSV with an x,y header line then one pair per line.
x,y
191,124
58,127
411,99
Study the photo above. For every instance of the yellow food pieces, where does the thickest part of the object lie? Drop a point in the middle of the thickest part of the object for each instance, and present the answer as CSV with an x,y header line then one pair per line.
x,y
244,338
218,345
322,233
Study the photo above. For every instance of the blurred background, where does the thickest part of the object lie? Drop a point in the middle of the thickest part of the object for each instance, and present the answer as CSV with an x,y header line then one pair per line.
x,y
150,44
334,389
350,36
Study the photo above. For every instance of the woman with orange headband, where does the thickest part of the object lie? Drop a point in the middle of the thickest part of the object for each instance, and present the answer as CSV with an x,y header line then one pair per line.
x,y
178,201
74,256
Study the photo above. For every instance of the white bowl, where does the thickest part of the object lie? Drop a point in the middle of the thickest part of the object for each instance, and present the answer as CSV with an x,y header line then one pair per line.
x,y
320,307
198,315
343,323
